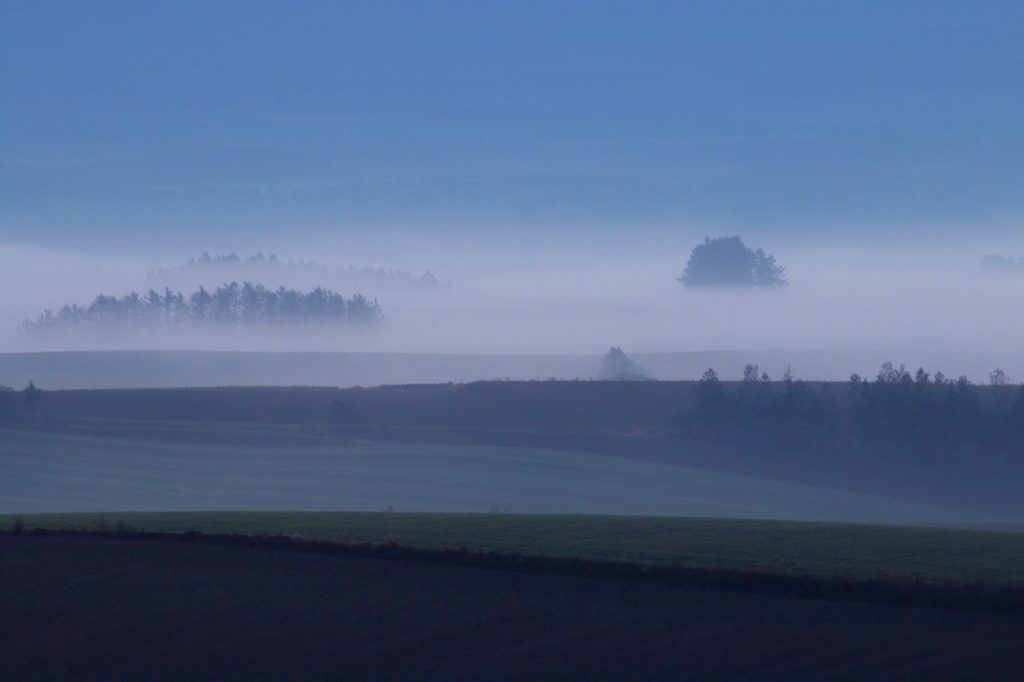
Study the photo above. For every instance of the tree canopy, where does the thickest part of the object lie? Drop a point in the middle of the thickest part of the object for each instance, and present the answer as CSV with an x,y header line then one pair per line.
x,y
728,262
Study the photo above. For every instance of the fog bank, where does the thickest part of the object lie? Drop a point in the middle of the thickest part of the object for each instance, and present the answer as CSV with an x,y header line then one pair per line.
x,y
858,304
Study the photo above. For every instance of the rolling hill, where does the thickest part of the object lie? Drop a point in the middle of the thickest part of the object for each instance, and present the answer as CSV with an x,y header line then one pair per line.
x,y
45,472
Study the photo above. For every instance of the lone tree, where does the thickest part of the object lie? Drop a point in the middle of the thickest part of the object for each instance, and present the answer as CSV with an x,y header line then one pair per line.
x,y
728,262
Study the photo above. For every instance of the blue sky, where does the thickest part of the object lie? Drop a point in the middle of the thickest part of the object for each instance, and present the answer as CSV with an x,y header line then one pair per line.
x,y
126,121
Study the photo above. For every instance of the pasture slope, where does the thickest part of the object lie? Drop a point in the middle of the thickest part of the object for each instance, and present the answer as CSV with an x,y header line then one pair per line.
x,y
622,420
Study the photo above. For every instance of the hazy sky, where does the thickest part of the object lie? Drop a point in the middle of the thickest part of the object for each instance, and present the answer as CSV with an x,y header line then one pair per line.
x,y
554,148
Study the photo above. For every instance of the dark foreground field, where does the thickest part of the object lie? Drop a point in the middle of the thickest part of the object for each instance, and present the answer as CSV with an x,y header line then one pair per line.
x,y
86,608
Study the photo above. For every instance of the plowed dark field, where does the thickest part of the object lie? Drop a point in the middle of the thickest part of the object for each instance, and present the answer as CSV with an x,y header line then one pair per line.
x,y
84,608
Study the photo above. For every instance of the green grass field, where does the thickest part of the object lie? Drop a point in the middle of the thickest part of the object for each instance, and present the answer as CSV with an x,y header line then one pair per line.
x,y
46,472
934,554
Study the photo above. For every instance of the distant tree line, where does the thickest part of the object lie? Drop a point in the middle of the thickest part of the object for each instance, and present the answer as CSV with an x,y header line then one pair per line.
x,y
1004,263
236,305
897,412
258,264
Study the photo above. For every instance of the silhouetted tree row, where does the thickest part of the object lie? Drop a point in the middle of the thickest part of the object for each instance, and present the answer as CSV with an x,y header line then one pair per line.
x,y
899,410
758,410
896,412
230,305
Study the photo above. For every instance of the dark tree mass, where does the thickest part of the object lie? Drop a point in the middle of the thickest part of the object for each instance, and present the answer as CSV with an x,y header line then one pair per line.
x,y
231,305
728,262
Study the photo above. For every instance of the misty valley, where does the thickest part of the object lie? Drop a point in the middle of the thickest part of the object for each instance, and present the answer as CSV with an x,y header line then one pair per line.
x,y
511,341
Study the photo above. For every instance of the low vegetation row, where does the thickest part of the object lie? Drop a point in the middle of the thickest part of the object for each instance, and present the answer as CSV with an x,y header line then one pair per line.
x,y
821,549
882,588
